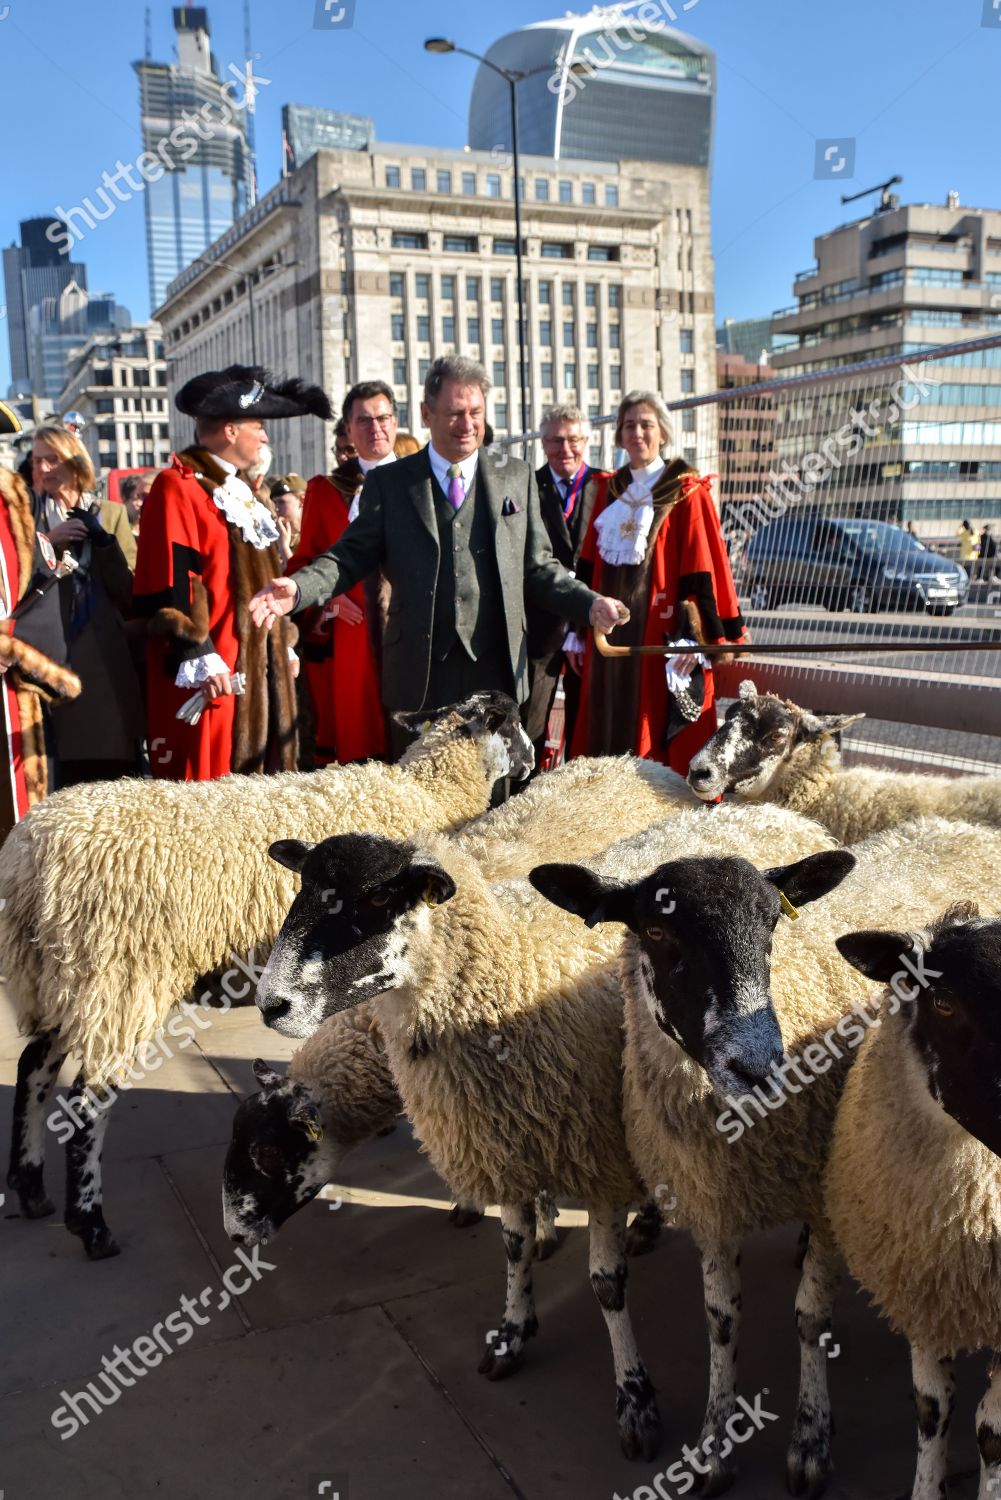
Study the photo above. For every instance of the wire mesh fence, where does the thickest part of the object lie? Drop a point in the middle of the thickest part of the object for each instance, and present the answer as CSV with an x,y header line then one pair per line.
x,y
842,496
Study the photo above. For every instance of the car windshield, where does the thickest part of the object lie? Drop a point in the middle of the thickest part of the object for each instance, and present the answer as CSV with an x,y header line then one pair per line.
x,y
880,537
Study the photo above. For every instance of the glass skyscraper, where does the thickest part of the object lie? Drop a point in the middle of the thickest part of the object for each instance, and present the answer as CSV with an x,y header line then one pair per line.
x,y
200,134
307,129
33,270
615,89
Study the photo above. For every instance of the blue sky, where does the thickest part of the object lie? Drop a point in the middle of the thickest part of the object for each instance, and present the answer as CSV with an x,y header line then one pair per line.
x,y
914,82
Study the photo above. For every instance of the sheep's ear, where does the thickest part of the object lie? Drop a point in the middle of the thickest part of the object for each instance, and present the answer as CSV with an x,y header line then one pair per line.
x,y
877,955
747,691
417,720
583,893
304,1113
810,878
291,853
815,726
266,1075
424,880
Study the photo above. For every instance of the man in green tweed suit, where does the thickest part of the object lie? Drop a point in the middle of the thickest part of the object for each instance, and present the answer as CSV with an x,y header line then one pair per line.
x,y
458,534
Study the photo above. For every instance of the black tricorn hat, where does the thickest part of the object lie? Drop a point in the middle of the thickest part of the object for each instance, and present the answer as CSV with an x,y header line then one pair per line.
x,y
10,422
246,393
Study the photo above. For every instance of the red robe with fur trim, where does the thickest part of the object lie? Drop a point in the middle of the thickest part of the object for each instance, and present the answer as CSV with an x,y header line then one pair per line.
x,y
682,588
195,574
338,658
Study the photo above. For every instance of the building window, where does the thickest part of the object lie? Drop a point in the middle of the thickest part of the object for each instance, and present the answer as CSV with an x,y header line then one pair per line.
x,y
444,180
472,330
594,411
497,330
611,195
545,293
588,193
592,335
614,335
403,413
399,372
506,247
500,372
688,421
396,283
603,252
106,432
546,331
615,374
422,286
493,185
418,179
591,294
496,289
546,371
472,289
396,319
423,366
568,294
423,329
566,190
688,382
569,335
469,184
448,330
686,337
392,177
459,244
408,240
615,296
500,414
570,376
448,288
557,250
542,190
592,377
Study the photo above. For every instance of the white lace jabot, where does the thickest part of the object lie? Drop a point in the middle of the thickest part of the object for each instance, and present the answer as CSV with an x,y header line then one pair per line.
x,y
236,500
624,526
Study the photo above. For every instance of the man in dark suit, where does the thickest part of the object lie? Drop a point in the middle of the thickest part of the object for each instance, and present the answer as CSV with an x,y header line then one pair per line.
x,y
458,534
568,489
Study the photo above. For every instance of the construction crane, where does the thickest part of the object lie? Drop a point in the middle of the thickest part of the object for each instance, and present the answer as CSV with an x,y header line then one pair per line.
x,y
887,199
251,103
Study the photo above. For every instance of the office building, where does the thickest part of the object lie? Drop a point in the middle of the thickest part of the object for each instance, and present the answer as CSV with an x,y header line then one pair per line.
x,y
32,271
118,382
614,85
907,278
192,125
749,339
370,263
306,130
59,325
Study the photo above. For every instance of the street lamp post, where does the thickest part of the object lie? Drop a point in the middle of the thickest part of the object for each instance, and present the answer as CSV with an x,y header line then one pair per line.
x,y
512,76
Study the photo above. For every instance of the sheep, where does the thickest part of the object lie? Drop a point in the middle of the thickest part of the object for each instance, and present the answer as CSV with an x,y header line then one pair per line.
x,y
769,749
115,897
454,966
702,995
914,1181
289,1139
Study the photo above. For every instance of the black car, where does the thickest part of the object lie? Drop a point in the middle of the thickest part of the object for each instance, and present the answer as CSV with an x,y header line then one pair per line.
x,y
848,563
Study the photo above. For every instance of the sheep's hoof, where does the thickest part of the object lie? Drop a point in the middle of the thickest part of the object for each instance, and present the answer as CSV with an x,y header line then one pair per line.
x,y
30,1189
462,1215
500,1366
506,1348
722,1473
101,1246
808,1464
37,1208
547,1245
637,1416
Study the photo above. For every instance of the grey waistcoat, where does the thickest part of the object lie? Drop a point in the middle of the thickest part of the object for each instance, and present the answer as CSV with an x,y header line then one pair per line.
x,y
468,601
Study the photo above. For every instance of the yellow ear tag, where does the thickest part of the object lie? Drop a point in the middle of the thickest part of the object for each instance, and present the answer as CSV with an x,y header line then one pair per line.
x,y
428,897
315,1132
788,907
425,725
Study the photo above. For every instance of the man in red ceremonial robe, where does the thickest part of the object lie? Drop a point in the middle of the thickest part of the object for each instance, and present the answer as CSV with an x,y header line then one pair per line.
x,y
655,543
205,547
339,640
33,667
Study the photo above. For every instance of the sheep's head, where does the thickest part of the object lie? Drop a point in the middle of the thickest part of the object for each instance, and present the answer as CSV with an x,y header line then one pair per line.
x,y
757,737
277,1158
698,949
490,718
347,933
946,981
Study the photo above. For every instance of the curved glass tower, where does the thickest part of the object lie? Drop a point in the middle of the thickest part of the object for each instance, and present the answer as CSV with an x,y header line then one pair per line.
x,y
617,89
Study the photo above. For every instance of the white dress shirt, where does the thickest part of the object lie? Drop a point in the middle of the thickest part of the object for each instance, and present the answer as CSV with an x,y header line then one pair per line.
x,y
365,466
440,467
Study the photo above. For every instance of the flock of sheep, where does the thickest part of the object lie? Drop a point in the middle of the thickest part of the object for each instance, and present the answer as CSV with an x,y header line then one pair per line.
x,y
724,1000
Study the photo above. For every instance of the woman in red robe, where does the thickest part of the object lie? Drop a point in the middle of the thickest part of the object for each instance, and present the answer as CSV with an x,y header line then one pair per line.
x,y
654,543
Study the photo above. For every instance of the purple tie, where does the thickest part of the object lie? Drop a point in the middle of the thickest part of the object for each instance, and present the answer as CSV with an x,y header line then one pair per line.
x,y
456,493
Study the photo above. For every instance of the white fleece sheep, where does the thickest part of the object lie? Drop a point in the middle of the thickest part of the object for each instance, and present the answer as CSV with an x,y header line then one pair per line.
x,y
289,1139
116,896
695,971
914,1179
502,1021
770,750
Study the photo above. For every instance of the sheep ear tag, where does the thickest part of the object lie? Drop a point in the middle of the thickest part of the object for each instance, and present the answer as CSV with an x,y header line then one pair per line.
x,y
429,894
314,1131
788,907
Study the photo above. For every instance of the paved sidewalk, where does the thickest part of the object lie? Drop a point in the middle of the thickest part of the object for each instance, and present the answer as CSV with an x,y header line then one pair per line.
x,y
349,1369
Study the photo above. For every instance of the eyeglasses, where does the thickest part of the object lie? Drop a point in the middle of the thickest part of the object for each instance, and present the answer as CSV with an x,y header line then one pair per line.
x,y
564,442
382,420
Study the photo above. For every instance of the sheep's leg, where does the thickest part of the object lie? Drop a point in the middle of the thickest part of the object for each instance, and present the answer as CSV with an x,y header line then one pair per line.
x,y
506,1343
84,1194
37,1071
808,1463
989,1436
635,1402
934,1393
546,1239
644,1232
721,1288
